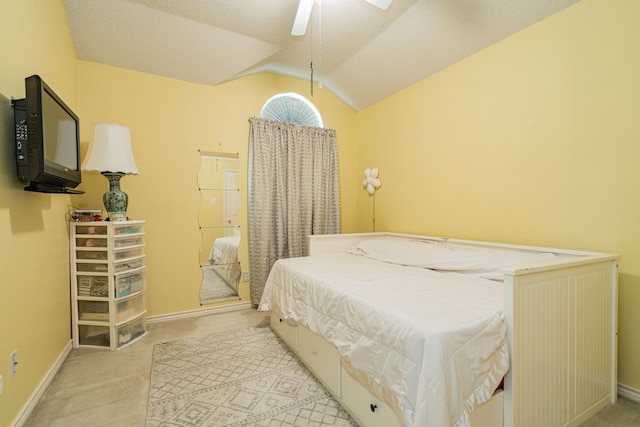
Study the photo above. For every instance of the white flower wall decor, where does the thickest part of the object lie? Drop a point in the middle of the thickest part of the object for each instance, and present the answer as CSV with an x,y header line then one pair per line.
x,y
372,183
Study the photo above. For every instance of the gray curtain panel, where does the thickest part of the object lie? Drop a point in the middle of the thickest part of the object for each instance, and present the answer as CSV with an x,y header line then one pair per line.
x,y
294,191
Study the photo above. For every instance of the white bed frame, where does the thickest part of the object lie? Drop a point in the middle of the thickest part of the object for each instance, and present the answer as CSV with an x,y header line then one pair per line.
x,y
562,332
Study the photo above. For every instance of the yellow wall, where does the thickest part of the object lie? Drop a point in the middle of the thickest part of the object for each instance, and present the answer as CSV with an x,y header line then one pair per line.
x,y
170,121
534,140
34,242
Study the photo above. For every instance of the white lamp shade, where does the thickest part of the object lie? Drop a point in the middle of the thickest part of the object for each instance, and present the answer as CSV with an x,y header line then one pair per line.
x,y
111,150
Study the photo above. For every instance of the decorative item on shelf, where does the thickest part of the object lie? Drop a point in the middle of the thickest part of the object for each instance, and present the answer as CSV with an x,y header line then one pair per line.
x,y
111,155
372,183
85,215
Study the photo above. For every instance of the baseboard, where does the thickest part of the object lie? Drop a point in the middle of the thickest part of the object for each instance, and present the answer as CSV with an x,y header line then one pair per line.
x,y
628,392
28,408
198,312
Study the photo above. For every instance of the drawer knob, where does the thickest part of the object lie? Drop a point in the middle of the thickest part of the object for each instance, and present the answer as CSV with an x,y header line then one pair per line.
x,y
314,351
373,407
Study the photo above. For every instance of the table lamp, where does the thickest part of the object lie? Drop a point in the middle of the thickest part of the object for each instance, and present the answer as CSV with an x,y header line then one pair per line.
x,y
111,155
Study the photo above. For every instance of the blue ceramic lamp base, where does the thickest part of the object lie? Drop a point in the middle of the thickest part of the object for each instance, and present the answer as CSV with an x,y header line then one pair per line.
x,y
115,201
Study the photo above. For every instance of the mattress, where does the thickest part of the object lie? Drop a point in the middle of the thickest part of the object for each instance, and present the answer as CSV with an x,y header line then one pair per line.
x,y
431,344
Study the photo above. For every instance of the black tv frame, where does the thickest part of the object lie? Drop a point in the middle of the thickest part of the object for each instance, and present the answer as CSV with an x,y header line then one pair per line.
x,y
44,175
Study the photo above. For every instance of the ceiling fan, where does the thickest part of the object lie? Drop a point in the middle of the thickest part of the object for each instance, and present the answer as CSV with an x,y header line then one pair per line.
x,y
304,13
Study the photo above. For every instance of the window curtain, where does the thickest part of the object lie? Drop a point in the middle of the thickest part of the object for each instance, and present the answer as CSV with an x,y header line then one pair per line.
x,y
293,192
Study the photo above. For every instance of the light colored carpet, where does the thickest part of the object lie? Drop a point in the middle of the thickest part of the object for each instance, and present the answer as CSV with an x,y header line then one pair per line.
x,y
100,388
243,377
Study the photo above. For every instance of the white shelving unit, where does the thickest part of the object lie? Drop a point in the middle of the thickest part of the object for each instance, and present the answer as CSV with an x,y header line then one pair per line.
x,y
108,283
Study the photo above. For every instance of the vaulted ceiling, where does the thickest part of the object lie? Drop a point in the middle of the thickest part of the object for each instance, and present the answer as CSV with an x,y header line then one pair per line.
x,y
360,52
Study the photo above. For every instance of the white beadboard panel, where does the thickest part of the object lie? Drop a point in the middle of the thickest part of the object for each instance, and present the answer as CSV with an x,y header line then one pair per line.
x,y
593,316
557,325
540,352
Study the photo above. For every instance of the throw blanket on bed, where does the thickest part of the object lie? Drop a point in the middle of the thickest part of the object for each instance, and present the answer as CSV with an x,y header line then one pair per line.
x,y
481,261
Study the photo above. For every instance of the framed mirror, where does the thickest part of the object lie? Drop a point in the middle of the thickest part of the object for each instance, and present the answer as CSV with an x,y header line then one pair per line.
x,y
218,221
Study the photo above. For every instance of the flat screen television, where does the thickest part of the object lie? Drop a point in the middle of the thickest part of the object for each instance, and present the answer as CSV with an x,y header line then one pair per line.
x,y
47,140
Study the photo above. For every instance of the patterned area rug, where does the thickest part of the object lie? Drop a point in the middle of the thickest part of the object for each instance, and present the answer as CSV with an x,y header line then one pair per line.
x,y
244,377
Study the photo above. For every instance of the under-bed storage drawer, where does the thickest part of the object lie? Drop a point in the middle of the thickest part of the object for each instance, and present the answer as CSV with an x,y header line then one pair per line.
x,y
490,413
288,333
369,410
321,357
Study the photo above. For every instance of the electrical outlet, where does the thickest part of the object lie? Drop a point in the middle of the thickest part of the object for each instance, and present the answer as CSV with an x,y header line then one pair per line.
x,y
0,384
13,363
245,276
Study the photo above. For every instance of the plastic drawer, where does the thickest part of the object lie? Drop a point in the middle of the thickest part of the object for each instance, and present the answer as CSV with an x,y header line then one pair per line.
x,y
127,265
127,241
84,254
84,242
130,282
91,229
130,331
93,286
129,308
92,267
95,311
93,335
128,229
129,253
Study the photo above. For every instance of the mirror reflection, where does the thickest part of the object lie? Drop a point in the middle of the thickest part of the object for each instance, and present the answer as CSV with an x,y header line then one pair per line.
x,y
218,220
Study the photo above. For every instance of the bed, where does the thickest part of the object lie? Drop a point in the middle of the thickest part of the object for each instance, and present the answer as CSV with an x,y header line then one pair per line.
x,y
422,331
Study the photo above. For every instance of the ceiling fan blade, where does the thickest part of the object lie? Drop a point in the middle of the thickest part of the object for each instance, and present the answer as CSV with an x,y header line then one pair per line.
x,y
302,18
382,4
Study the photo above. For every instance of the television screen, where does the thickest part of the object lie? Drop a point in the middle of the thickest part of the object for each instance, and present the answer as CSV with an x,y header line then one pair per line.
x,y
59,135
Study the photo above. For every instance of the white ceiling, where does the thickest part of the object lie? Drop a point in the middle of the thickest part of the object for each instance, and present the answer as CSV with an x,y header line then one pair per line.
x,y
359,52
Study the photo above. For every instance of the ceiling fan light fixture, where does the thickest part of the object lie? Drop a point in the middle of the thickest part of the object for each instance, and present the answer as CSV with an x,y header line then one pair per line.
x,y
302,17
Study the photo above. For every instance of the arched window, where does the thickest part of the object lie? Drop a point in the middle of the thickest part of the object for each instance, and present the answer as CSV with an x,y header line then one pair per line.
x,y
291,108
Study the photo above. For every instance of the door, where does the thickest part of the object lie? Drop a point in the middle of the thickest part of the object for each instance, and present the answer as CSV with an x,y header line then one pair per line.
x,y
231,201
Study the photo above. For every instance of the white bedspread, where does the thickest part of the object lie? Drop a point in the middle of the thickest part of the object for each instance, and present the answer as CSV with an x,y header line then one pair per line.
x,y
224,250
435,342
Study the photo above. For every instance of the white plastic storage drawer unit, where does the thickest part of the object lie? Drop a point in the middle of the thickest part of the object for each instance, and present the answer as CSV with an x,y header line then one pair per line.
x,y
108,283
